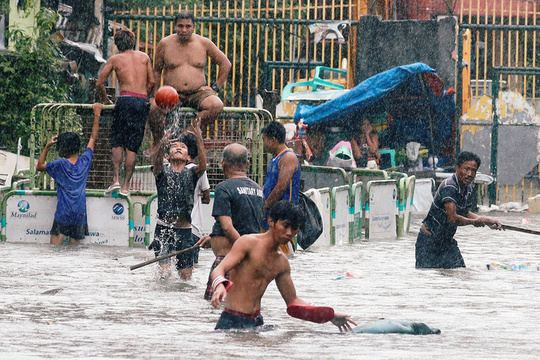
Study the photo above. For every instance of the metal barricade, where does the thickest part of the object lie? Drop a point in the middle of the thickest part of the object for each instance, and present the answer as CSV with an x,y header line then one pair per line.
x,y
316,177
355,212
339,208
321,197
401,200
380,205
410,184
242,125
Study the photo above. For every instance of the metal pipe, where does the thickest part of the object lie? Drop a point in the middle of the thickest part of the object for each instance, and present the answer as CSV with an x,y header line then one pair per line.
x,y
500,27
459,92
494,141
230,20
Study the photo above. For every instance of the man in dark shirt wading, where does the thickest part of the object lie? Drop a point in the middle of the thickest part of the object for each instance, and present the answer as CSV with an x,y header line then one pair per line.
x,y
435,245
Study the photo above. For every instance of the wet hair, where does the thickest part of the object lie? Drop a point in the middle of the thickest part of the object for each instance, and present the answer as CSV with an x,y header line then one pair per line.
x,y
191,143
235,155
287,211
275,130
68,144
184,15
124,40
169,146
467,156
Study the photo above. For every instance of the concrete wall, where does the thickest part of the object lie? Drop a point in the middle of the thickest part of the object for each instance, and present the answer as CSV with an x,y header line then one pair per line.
x,y
23,18
383,45
517,152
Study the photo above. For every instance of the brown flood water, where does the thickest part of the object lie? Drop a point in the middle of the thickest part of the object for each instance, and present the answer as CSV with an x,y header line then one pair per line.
x,y
84,303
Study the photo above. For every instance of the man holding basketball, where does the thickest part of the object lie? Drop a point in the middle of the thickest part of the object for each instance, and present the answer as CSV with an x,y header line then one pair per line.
x,y
180,60
134,72
253,262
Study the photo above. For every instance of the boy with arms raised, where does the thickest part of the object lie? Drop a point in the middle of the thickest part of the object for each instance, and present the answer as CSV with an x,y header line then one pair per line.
x,y
70,173
176,186
253,262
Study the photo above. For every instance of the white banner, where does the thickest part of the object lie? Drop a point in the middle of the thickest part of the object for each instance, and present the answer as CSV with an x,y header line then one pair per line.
x,y
29,218
108,221
323,204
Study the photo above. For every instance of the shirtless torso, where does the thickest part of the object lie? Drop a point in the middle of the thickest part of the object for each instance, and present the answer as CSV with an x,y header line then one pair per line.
x,y
133,70
182,64
254,261
259,261
182,57
180,60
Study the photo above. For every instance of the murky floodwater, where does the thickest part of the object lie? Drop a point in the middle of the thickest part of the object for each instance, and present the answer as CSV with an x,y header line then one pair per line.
x,y
84,302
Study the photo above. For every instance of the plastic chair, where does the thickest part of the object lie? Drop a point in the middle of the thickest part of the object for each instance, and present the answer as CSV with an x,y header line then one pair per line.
x,y
316,84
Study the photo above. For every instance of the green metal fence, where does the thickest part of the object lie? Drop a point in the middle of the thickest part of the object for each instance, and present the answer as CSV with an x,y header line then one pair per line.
x,y
242,125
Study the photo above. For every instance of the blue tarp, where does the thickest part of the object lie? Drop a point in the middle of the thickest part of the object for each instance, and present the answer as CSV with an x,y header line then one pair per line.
x,y
400,92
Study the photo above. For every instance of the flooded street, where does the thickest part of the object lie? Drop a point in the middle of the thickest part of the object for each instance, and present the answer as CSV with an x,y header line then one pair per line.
x,y
84,302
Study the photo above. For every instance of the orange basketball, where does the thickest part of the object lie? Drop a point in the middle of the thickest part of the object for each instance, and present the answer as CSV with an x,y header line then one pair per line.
x,y
166,97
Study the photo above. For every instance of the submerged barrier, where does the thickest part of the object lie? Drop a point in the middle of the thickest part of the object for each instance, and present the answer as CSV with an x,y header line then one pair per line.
x,y
339,208
355,204
380,209
348,215
28,217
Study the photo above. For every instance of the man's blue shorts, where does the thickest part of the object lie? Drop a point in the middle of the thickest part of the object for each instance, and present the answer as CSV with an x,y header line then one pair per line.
x,y
129,121
76,232
231,319
175,239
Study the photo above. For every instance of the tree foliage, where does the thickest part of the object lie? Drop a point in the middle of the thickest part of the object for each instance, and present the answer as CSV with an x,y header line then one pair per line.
x,y
4,6
29,75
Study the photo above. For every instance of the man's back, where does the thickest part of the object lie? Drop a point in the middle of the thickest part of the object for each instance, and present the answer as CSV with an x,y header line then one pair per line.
x,y
71,184
242,200
132,70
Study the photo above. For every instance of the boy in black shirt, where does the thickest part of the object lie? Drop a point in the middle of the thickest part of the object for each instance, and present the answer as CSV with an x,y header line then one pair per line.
x,y
176,185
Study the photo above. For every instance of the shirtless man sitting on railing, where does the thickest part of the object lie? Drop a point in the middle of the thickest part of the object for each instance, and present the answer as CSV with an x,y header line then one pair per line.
x,y
180,60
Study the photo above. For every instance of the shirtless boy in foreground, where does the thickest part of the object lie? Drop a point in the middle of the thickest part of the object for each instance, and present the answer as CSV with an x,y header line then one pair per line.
x,y
253,262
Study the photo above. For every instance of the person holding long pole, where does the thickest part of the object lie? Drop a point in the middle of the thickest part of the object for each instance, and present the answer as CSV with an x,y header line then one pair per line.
x,y
435,244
